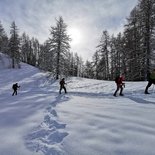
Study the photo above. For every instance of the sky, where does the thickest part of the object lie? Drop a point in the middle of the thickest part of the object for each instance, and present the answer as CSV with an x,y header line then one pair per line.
x,y
86,19
88,120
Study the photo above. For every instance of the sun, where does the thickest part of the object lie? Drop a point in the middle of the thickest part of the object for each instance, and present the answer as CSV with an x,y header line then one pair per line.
x,y
75,35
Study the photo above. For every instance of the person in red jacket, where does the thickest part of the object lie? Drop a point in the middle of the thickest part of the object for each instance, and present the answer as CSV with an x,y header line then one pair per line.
x,y
120,84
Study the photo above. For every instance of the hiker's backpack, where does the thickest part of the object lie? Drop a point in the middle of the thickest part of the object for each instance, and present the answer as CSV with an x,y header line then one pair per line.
x,y
117,79
13,86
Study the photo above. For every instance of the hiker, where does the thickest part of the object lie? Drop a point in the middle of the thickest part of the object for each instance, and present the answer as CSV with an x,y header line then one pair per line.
x,y
119,83
15,87
62,85
151,80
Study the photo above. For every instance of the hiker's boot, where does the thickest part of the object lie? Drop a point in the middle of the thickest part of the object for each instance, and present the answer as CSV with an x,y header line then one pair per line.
x,y
114,94
146,92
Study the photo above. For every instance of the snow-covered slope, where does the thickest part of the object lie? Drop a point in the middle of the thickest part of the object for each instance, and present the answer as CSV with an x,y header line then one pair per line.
x,y
87,120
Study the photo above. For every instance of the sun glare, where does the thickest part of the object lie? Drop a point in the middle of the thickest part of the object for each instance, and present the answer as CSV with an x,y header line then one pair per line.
x,y
75,35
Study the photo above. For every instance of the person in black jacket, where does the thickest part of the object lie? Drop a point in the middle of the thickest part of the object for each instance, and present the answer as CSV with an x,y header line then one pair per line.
x,y
15,87
151,80
62,85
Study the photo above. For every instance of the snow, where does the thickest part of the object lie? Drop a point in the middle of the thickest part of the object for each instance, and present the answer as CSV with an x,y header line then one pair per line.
x,y
88,120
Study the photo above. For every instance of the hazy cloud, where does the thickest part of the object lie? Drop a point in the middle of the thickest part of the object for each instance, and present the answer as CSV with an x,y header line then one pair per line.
x,y
91,17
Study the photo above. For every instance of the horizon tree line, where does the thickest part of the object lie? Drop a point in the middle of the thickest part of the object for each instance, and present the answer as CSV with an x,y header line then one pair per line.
x,y
131,52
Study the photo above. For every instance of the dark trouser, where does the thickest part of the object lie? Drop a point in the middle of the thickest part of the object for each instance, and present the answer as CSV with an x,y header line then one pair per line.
x,y
149,85
15,92
119,86
62,87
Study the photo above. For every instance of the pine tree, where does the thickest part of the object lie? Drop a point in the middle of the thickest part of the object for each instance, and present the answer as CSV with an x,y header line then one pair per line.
x,y
14,44
3,40
146,8
103,49
46,57
24,47
88,71
96,60
113,57
30,49
59,43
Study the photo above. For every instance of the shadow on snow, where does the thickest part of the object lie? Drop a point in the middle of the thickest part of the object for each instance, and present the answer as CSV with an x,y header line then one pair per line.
x,y
48,136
